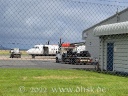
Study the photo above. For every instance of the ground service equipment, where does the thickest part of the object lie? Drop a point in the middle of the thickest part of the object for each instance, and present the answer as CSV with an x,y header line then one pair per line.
x,y
66,55
15,53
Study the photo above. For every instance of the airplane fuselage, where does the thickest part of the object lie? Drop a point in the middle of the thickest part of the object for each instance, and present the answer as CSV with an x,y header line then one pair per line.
x,y
43,50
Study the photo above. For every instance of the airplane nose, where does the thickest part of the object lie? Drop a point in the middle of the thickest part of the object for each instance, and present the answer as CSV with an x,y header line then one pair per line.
x,y
27,51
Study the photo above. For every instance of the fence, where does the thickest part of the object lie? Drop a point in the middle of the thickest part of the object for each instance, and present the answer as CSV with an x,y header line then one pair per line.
x,y
99,25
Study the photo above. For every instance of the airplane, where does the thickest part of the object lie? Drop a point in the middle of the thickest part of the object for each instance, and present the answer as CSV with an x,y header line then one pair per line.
x,y
43,50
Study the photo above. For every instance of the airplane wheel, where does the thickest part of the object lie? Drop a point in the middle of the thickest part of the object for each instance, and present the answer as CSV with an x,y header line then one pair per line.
x,y
57,61
33,56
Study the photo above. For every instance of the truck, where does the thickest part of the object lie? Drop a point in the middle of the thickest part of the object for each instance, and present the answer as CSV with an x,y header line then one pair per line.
x,y
68,56
15,53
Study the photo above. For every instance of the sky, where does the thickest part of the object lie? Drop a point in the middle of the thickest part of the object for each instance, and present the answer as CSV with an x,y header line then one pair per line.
x,y
24,23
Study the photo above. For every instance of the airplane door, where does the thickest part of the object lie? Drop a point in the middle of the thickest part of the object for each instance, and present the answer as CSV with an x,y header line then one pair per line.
x,y
46,50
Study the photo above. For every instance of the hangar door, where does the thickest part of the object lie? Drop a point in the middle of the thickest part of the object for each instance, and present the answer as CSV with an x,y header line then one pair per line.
x,y
110,50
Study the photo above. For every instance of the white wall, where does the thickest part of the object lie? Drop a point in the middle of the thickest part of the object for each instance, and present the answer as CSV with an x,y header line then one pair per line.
x,y
120,59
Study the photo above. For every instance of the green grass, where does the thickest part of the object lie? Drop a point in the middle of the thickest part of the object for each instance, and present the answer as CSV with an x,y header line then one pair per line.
x,y
7,52
40,82
4,52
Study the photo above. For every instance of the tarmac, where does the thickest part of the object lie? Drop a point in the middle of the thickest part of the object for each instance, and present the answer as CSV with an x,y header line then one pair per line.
x,y
43,62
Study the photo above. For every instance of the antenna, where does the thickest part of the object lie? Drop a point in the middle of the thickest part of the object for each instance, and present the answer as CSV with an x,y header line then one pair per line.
x,y
117,5
117,11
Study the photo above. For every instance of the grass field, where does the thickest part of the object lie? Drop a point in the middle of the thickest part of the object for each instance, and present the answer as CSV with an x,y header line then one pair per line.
x,y
38,82
6,52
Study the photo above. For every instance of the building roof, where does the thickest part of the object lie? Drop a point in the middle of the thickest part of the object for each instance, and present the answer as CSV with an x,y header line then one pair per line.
x,y
79,43
104,21
111,29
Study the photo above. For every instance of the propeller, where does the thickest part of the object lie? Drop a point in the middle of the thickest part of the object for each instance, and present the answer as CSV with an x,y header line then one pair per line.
x,y
60,43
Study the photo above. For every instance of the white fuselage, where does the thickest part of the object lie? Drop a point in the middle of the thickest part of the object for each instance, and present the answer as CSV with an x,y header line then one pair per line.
x,y
43,50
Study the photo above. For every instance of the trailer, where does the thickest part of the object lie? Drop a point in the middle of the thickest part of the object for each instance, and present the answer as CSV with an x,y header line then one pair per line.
x,y
77,60
67,56
15,53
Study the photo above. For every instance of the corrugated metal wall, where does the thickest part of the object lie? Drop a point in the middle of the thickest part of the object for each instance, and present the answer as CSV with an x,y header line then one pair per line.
x,y
120,57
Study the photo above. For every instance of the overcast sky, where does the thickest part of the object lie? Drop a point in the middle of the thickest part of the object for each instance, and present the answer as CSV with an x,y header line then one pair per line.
x,y
24,23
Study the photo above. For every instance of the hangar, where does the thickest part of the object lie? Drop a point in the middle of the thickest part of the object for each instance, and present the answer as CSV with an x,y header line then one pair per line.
x,y
113,46
92,42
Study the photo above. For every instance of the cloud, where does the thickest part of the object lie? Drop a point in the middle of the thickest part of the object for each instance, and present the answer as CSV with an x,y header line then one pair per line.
x,y
36,21
70,35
